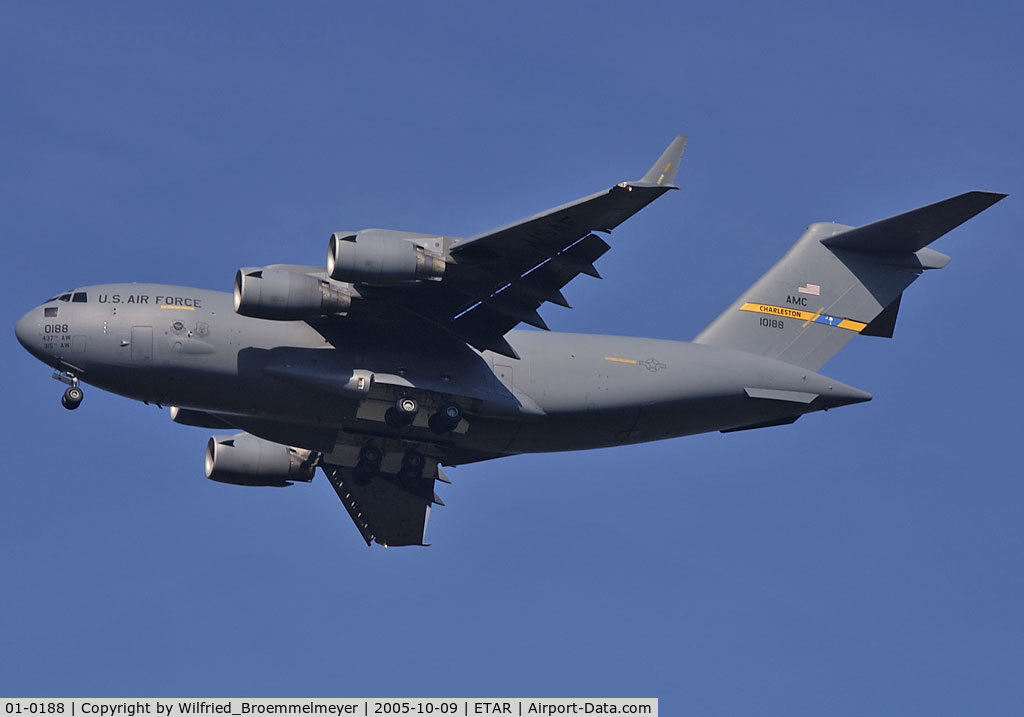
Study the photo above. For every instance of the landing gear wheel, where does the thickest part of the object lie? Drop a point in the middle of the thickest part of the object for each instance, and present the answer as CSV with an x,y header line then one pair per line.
x,y
361,475
402,413
413,462
446,418
412,469
370,455
407,406
452,411
72,398
369,464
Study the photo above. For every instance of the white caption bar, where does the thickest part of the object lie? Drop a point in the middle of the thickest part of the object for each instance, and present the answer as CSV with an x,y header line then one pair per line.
x,y
367,707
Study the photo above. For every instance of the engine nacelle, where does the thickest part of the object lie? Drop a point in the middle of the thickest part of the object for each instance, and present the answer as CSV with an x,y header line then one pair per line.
x,y
242,459
188,417
379,256
282,295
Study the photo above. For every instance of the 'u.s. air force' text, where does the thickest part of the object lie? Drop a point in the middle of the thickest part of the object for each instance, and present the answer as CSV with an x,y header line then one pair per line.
x,y
148,300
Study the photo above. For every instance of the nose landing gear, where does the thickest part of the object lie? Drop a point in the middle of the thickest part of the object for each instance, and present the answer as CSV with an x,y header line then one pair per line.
x,y
73,395
72,398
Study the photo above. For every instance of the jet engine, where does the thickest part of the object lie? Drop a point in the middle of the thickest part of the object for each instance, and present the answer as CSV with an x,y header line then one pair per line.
x,y
274,293
188,417
379,256
242,459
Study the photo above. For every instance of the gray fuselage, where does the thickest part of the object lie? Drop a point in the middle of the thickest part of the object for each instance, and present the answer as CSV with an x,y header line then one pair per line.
x,y
283,380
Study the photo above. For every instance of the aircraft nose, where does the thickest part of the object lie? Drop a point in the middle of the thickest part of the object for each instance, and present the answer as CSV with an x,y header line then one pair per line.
x,y
24,329
27,331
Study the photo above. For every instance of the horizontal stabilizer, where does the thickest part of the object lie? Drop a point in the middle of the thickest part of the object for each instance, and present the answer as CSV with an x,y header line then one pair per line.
x,y
906,233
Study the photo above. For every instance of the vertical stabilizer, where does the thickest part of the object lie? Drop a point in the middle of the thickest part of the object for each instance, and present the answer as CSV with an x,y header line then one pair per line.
x,y
838,281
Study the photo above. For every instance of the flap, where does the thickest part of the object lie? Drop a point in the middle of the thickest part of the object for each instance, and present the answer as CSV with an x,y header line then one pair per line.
x,y
386,509
486,323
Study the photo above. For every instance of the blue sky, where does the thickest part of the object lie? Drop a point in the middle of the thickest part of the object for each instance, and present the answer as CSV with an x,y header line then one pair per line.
x,y
864,561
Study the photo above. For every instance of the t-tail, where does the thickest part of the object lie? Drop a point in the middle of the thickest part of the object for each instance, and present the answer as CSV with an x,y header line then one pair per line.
x,y
838,281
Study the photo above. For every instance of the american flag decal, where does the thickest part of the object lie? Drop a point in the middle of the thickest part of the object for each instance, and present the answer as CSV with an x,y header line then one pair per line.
x,y
812,289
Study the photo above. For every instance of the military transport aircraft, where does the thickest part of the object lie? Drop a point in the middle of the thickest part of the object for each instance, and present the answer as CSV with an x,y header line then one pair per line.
x,y
401,354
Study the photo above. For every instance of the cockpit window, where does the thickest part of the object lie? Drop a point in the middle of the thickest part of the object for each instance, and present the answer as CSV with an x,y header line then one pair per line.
x,y
79,297
64,297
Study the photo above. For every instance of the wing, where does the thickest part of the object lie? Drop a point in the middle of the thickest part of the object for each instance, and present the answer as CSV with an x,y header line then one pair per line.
x,y
501,277
387,509
389,504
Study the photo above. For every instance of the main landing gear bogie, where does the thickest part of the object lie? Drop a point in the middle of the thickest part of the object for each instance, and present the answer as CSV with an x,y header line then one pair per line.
x,y
444,420
371,457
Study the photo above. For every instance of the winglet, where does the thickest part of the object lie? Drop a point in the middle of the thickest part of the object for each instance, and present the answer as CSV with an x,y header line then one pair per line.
x,y
663,173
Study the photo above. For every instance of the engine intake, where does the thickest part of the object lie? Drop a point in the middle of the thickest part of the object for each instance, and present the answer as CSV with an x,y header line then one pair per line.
x,y
378,256
242,459
282,295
